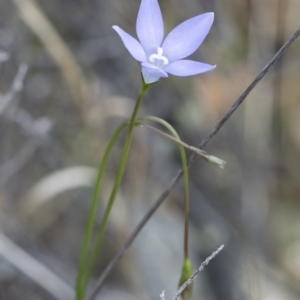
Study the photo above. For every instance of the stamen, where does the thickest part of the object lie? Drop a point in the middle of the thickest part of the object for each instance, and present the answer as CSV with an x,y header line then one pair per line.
x,y
156,58
160,51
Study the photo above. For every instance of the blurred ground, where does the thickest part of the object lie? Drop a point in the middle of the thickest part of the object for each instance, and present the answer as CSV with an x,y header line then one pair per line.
x,y
81,83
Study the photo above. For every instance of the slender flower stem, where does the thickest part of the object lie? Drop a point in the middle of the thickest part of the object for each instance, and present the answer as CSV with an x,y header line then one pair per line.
x,y
185,178
119,176
176,138
93,209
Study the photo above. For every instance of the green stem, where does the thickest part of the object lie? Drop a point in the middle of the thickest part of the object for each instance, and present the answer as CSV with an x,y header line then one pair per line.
x,y
93,209
210,158
185,178
119,176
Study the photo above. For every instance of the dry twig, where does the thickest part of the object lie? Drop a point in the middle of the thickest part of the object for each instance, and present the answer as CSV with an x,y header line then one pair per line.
x,y
15,88
200,269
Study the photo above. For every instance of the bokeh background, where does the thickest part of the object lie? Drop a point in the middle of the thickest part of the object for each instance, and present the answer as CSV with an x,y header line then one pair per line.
x,y
79,83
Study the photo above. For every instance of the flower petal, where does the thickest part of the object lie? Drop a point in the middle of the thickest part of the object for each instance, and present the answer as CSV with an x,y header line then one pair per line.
x,y
150,26
132,45
152,73
187,68
184,39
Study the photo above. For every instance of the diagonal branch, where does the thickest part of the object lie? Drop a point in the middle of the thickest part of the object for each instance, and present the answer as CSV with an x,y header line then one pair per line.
x,y
175,180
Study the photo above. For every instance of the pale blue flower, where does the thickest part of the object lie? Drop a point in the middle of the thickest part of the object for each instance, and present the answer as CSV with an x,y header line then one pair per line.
x,y
160,57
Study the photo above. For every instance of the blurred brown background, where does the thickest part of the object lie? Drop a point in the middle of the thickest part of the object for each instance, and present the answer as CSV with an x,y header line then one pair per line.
x,y
81,83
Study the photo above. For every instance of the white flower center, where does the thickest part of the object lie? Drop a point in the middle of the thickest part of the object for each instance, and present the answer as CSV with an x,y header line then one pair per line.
x,y
158,59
